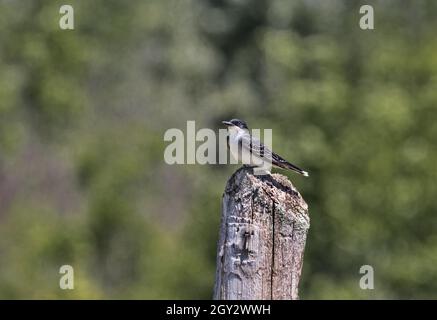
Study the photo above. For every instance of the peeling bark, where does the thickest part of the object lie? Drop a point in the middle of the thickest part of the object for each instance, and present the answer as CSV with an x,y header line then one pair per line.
x,y
262,238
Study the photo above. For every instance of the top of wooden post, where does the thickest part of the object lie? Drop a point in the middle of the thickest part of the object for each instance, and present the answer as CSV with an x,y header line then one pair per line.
x,y
277,186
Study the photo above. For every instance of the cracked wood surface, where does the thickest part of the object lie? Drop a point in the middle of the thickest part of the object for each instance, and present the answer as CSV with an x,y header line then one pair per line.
x,y
262,238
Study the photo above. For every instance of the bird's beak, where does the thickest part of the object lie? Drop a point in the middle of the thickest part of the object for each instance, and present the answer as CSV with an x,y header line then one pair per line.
x,y
227,123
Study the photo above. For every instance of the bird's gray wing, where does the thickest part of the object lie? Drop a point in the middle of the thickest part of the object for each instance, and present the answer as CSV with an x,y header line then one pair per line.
x,y
255,147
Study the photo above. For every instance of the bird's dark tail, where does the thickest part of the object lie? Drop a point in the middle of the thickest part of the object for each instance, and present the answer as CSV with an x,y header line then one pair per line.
x,y
287,165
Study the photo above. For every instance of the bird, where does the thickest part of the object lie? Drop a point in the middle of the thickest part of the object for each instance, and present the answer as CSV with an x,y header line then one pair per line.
x,y
251,151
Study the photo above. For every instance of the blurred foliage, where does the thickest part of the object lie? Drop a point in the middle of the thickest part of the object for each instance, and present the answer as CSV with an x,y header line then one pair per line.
x,y
83,114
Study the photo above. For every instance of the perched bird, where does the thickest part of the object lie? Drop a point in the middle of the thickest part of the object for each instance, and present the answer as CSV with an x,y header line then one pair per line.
x,y
251,151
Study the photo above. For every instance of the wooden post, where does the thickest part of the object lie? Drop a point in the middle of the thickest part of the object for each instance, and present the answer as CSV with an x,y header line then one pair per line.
x,y
262,238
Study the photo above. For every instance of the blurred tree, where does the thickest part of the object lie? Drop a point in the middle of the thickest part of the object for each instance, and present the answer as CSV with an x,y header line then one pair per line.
x,y
83,113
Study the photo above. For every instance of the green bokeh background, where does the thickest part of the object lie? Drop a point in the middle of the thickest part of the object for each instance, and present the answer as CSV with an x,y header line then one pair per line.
x,y
83,114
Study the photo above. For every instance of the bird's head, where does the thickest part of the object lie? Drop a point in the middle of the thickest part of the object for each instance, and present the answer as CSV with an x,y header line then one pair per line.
x,y
236,123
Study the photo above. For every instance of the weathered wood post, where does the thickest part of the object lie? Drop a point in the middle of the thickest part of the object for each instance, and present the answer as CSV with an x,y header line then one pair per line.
x,y
262,238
